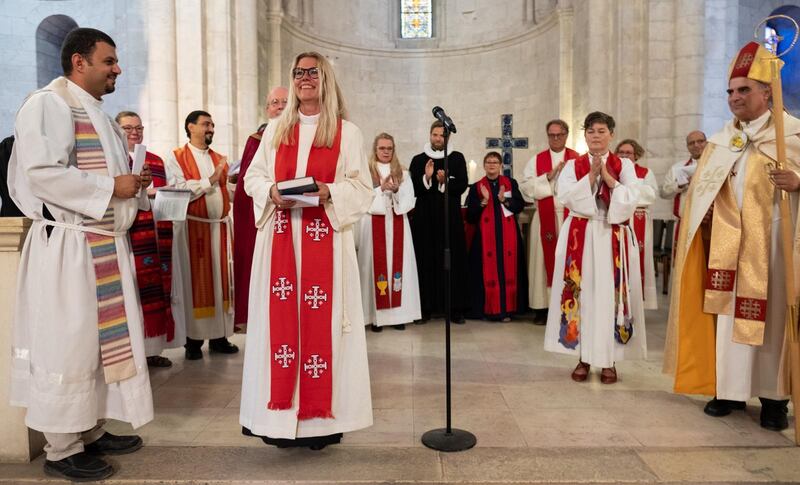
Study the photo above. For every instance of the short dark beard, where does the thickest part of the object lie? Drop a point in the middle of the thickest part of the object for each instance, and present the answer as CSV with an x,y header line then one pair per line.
x,y
208,139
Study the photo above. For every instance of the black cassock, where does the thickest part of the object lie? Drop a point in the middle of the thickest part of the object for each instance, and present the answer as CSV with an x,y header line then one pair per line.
x,y
476,285
427,230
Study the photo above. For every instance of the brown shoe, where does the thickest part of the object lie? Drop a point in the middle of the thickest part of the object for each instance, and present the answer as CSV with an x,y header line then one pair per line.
x,y
608,375
581,372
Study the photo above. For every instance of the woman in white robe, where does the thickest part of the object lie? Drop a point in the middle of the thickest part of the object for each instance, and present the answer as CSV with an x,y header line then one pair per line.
x,y
589,325
648,192
394,195
313,91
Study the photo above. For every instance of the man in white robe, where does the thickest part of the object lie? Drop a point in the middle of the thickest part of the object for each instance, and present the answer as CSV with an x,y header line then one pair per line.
x,y
538,185
677,178
206,278
393,198
345,201
57,371
726,329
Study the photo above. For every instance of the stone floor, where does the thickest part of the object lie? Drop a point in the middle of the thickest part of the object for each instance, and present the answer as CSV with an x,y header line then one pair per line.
x,y
533,424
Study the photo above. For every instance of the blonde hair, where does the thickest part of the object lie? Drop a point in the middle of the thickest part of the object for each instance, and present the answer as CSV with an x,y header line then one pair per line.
x,y
395,169
331,104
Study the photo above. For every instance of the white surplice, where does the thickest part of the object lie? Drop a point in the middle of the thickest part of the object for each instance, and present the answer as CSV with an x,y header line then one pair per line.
x,y
399,203
648,192
671,188
533,188
56,369
221,323
597,346
351,197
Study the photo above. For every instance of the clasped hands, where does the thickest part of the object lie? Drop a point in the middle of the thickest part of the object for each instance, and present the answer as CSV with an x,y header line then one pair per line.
x,y
128,186
485,196
429,172
323,192
599,168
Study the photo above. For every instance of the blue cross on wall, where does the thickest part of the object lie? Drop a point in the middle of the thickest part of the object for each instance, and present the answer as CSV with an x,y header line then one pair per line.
x,y
506,143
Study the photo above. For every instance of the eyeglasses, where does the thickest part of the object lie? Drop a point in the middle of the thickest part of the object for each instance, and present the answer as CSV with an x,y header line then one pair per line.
x,y
278,102
386,149
128,129
556,135
299,72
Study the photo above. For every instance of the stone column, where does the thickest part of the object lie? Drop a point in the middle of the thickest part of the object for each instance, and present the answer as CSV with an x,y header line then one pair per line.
x,y
274,61
565,74
191,42
689,70
220,66
18,444
249,105
163,131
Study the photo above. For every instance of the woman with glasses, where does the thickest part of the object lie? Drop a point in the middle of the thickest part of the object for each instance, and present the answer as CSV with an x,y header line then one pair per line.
x,y
596,309
306,379
498,280
389,280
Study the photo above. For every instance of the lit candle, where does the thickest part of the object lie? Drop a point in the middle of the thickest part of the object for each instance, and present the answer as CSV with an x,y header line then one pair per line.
x,y
473,167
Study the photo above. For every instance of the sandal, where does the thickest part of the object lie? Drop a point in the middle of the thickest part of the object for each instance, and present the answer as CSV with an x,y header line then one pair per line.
x,y
581,372
608,375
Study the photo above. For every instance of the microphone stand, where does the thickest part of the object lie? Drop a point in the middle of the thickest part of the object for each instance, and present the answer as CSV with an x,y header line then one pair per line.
x,y
448,438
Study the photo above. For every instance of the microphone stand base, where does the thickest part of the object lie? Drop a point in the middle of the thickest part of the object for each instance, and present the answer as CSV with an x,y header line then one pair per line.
x,y
455,440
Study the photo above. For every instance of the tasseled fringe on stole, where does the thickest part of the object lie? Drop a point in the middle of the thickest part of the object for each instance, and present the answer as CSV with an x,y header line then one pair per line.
x,y
279,405
305,414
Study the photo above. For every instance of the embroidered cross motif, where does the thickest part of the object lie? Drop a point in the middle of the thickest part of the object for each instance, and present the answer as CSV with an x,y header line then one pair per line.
x,y
283,287
314,297
315,366
750,309
280,222
285,356
720,280
744,61
317,230
549,236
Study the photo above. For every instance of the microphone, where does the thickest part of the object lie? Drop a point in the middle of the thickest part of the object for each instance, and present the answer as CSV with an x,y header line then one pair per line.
x,y
440,115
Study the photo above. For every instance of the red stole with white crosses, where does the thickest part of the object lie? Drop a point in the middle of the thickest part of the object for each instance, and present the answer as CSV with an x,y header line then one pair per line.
x,y
315,299
388,287
491,252
640,222
548,225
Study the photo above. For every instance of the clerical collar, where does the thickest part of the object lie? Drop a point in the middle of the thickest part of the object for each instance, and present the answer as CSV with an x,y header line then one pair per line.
x,y
435,154
84,96
308,119
750,128
196,149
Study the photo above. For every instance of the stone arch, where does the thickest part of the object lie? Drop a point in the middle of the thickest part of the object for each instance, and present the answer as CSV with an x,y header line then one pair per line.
x,y
50,35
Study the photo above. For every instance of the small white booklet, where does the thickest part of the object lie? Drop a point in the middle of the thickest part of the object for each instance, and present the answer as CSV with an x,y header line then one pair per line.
x,y
506,212
139,152
171,204
302,200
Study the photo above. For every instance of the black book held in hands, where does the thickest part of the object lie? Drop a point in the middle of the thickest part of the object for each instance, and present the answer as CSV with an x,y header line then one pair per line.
x,y
297,186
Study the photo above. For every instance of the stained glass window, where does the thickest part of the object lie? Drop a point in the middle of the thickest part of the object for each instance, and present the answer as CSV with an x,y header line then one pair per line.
x,y
415,19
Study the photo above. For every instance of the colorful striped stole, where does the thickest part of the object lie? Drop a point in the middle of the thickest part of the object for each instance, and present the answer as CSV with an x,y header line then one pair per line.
x,y
115,343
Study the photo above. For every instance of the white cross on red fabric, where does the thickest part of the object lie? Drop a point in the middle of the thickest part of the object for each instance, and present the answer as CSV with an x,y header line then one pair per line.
x,y
315,366
285,356
282,288
280,222
317,230
315,297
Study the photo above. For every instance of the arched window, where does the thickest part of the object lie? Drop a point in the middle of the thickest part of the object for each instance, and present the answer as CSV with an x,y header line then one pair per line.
x,y
49,36
416,19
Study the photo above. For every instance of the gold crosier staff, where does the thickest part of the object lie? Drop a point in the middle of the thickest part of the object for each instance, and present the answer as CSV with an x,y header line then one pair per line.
x,y
787,230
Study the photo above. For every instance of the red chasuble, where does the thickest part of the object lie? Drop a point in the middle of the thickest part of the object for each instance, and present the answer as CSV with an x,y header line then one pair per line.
x,y
200,238
315,291
569,333
244,235
548,224
640,222
492,305
151,243
388,286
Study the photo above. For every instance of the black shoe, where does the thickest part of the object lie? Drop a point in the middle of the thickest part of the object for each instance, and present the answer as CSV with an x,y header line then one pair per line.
x,y
773,414
80,467
402,326
375,328
722,407
540,317
423,319
110,444
459,319
222,346
193,353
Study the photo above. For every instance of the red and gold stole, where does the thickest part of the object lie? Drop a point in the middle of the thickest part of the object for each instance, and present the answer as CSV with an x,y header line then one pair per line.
x,y
492,304
569,333
200,255
640,222
548,225
151,243
388,287
316,287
